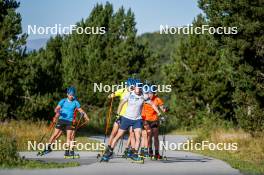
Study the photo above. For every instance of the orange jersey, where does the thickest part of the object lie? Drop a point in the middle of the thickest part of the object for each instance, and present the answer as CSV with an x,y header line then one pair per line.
x,y
148,113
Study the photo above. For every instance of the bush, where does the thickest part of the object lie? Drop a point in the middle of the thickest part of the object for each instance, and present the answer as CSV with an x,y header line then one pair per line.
x,y
8,151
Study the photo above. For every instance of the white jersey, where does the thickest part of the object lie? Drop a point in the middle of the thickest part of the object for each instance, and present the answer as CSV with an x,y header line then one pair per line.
x,y
134,105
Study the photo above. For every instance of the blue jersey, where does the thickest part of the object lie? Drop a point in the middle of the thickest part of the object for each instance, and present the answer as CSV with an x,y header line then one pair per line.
x,y
67,108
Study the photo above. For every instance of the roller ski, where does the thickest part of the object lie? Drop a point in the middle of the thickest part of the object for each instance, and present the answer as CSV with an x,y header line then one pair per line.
x,y
107,155
144,154
158,157
127,153
71,155
44,152
105,159
101,155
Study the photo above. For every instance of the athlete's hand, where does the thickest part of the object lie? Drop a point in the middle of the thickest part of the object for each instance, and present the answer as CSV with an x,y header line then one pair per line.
x,y
162,119
87,119
117,115
54,120
165,109
74,122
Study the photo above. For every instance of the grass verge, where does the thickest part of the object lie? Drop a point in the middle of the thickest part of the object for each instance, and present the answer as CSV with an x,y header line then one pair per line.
x,y
34,164
14,137
24,131
248,158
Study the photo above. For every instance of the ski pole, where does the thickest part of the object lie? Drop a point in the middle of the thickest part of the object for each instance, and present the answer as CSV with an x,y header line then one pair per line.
x,y
163,124
120,145
77,126
108,119
50,128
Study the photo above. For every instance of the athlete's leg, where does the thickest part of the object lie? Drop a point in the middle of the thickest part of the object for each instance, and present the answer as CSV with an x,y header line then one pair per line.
x,y
69,138
131,138
144,143
55,135
150,135
109,152
128,141
113,133
156,139
137,132
134,155
144,138
73,135
119,134
145,133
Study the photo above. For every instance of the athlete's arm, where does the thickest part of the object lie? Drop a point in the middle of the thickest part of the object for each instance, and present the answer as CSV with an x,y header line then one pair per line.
x,y
57,109
84,114
57,113
154,107
117,93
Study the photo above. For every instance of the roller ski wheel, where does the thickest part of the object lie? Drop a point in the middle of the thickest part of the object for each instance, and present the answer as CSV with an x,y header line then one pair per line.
x,y
71,155
44,152
144,155
137,159
158,157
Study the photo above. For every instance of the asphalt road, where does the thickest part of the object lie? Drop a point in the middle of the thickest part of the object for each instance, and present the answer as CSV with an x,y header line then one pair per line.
x,y
178,162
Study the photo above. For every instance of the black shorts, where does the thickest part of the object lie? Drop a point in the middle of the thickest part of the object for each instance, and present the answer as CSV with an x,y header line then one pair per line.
x,y
64,124
151,124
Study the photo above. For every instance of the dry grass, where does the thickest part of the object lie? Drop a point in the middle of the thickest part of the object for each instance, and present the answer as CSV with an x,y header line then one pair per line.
x,y
24,131
249,157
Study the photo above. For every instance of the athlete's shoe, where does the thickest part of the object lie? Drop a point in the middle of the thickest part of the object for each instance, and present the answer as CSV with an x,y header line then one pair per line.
x,y
127,153
44,152
105,158
144,154
151,153
67,154
137,159
107,155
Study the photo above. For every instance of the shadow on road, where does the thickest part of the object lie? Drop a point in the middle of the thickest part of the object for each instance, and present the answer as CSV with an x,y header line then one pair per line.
x,y
118,159
185,159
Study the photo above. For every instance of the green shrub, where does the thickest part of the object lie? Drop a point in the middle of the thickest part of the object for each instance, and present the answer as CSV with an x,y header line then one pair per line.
x,y
8,151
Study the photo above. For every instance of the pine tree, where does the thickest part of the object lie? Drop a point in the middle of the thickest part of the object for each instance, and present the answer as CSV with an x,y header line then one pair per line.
x,y
108,58
42,83
245,54
221,76
11,56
